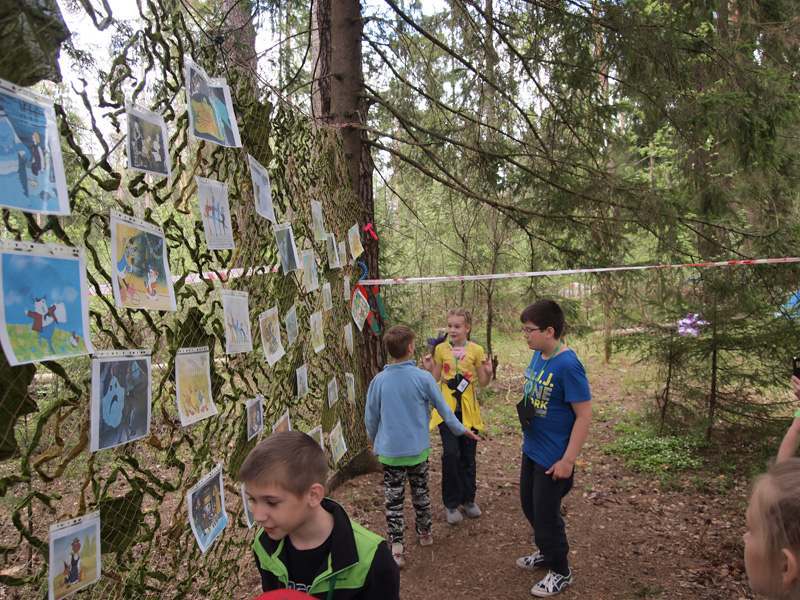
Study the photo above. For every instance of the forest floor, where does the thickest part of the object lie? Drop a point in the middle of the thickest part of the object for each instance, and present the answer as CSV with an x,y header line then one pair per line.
x,y
665,536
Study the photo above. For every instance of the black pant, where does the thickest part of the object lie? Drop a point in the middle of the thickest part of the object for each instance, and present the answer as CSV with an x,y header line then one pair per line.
x,y
541,503
458,468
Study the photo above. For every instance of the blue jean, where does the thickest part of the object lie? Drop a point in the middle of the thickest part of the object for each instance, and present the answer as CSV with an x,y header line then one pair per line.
x,y
458,468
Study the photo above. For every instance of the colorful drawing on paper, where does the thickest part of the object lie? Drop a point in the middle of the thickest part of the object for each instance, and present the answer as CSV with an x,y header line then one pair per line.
x,y
44,304
336,440
343,255
291,324
249,518
207,514
318,436
211,115
318,221
354,237
310,274
283,423
262,191
121,388
255,416
147,143
142,277
75,555
286,247
31,166
348,337
333,392
317,333
193,385
327,299
236,314
350,382
302,380
333,254
359,307
215,211
271,335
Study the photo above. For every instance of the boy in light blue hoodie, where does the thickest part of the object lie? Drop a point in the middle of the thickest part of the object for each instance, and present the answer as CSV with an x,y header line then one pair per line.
x,y
397,416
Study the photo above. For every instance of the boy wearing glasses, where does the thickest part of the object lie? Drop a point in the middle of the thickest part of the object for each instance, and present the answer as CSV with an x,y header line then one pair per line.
x,y
555,413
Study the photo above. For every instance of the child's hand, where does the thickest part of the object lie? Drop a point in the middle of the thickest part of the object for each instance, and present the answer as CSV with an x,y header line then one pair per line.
x,y
427,362
472,435
487,365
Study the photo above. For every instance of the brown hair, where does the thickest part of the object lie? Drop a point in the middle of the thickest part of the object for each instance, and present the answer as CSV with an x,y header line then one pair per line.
x,y
463,312
397,339
545,313
290,459
780,505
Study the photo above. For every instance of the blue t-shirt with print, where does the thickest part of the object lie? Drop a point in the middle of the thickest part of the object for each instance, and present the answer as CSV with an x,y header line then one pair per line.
x,y
551,386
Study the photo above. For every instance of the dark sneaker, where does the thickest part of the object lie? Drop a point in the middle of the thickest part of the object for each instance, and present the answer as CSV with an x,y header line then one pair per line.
x,y
472,510
534,561
552,584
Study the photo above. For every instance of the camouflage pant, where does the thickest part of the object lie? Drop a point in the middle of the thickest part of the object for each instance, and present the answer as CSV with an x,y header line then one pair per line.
x,y
394,486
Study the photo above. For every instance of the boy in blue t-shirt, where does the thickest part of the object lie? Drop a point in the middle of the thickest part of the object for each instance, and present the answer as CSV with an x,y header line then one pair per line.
x,y
555,413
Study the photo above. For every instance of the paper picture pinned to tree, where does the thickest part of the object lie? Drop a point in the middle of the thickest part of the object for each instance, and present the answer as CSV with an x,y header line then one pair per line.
x,y
336,440
283,423
327,299
31,166
207,514
348,337
215,211
255,416
147,144
354,237
359,306
142,277
318,222
286,247
302,380
318,436
208,100
193,385
333,392
249,518
333,254
236,314
75,555
271,335
44,304
317,333
121,397
347,290
343,255
310,274
350,382
262,191
291,324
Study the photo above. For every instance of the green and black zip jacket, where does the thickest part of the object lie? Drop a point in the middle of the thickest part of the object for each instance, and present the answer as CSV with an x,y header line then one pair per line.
x,y
359,567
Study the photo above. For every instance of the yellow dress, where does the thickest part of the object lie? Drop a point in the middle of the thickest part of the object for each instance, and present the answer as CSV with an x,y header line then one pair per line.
x,y
467,366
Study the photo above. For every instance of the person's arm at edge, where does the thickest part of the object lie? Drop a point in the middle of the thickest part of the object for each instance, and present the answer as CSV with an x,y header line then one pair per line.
x,y
383,578
791,441
580,430
372,411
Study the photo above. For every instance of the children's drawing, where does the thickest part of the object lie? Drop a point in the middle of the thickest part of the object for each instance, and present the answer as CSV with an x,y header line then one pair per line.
x,y
317,334
207,514
350,382
237,322
31,167
333,392
354,237
211,115
359,306
302,380
147,143
262,191
333,254
318,221
248,514
215,211
310,274
291,324
347,291
286,247
142,277
74,555
44,304
327,299
283,423
193,385
271,335
348,337
316,433
121,388
343,255
336,440
255,416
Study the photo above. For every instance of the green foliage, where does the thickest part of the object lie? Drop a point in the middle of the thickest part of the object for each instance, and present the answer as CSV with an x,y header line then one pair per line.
x,y
647,452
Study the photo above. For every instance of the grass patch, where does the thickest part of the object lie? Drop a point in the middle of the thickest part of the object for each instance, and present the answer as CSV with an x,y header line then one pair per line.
x,y
647,452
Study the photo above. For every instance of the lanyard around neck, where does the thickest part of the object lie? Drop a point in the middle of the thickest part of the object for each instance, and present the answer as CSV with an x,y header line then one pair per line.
x,y
544,366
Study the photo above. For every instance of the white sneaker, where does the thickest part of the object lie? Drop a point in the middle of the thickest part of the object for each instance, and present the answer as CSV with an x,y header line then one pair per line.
x,y
453,515
472,510
552,584
399,555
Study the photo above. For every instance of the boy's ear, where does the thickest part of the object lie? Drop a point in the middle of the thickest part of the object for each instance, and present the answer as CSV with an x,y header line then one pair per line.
x,y
789,567
315,494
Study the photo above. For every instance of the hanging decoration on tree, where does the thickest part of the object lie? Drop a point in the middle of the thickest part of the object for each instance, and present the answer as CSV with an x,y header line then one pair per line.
x,y
211,115
147,144
691,325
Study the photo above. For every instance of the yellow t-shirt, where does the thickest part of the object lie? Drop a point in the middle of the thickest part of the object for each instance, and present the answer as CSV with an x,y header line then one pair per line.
x,y
467,366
